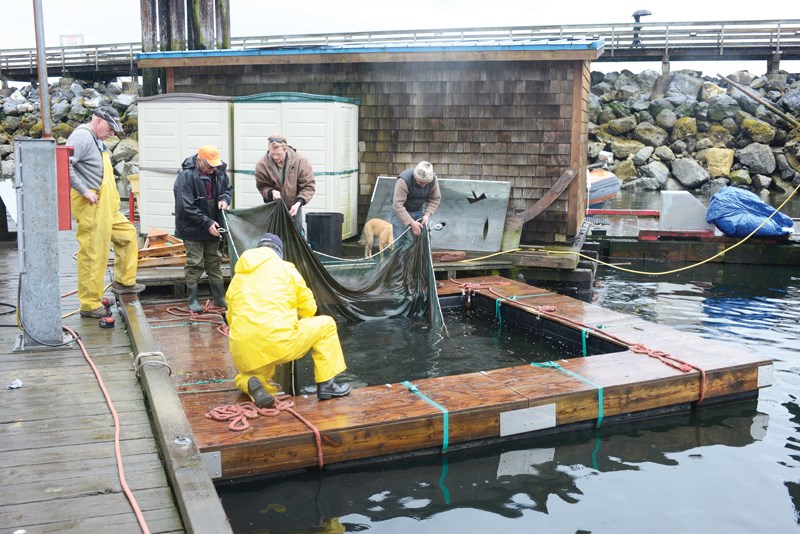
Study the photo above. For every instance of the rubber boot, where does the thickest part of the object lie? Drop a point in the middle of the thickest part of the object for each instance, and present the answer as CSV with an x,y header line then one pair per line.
x,y
191,295
218,292
326,390
260,397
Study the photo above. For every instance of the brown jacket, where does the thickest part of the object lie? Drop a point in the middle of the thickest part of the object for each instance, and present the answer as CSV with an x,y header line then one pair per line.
x,y
298,183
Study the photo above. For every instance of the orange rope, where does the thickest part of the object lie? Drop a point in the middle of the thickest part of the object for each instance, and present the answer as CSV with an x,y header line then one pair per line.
x,y
117,449
240,413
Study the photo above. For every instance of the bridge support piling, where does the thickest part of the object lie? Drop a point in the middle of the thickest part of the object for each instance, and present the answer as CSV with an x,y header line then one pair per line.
x,y
665,64
774,63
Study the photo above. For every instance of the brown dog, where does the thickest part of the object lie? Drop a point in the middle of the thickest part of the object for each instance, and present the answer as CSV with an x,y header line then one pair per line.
x,y
380,229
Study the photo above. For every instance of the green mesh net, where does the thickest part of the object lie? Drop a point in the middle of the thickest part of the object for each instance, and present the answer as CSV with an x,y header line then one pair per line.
x,y
399,283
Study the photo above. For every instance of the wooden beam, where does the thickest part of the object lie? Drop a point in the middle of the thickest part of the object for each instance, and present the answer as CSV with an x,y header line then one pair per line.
x,y
195,494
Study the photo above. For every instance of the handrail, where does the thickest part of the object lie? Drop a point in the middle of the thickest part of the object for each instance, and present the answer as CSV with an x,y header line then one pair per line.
x,y
777,35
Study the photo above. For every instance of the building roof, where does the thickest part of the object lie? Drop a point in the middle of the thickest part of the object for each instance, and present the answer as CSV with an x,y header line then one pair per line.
x,y
434,49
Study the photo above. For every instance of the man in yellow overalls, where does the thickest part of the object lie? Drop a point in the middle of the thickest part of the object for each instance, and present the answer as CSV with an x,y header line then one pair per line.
x,y
271,317
95,206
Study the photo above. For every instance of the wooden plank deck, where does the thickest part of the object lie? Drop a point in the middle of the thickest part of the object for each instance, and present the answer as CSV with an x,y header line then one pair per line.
x,y
389,419
58,471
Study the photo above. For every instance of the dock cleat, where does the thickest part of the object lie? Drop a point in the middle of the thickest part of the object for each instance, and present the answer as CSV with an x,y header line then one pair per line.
x,y
260,397
326,390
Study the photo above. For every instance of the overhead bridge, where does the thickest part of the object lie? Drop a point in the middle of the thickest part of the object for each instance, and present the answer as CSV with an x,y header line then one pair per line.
x,y
767,40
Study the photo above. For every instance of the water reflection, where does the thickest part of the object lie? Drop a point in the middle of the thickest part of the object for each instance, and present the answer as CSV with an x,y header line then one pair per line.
x,y
504,479
723,469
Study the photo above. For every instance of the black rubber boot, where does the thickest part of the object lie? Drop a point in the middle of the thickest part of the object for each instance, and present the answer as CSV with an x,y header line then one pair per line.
x,y
326,390
256,391
191,296
218,292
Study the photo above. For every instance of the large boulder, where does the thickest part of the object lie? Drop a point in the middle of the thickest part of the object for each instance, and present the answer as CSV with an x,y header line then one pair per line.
x,y
689,173
758,158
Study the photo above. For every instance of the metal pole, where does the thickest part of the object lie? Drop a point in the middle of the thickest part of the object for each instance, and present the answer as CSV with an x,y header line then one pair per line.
x,y
44,87
39,296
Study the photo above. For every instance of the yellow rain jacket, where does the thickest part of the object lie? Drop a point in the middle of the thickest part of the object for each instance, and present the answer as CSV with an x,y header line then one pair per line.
x,y
271,318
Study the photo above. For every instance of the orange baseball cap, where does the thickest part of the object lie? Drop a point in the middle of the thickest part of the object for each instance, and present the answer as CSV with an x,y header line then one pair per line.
x,y
210,153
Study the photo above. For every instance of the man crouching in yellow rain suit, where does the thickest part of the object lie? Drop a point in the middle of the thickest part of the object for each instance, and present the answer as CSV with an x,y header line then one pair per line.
x,y
271,317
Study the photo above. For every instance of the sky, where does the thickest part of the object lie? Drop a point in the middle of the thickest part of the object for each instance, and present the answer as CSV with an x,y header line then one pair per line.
x,y
118,21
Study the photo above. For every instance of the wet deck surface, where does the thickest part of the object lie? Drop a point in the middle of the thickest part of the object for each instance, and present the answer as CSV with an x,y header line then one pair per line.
x,y
390,419
58,471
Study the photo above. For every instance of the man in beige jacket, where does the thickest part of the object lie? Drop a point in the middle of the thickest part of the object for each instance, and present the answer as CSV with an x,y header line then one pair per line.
x,y
283,173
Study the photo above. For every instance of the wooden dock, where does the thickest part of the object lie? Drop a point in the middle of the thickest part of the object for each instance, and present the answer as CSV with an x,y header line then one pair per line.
x,y
58,471
629,372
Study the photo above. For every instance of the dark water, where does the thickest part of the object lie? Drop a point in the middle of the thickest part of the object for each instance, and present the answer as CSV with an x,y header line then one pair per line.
x,y
728,469
396,349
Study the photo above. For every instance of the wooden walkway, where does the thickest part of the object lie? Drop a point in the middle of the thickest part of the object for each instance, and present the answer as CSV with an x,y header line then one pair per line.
x,y
389,419
58,471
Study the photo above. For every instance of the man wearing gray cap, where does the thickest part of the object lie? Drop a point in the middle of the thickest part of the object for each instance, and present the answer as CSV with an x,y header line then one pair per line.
x,y
415,199
95,206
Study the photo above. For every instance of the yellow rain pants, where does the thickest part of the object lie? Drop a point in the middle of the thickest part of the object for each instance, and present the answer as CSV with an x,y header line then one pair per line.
x,y
99,225
271,317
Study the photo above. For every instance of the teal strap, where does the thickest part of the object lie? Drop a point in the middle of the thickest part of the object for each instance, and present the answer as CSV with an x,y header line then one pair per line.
x,y
183,323
513,297
594,452
445,491
554,365
204,382
445,414
584,335
331,173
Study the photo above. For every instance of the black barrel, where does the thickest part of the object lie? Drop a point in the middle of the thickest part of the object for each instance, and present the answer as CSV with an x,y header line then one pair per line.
x,y
325,232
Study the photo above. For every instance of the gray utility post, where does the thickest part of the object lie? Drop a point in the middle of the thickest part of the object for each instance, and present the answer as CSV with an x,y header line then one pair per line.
x,y
39,300
37,242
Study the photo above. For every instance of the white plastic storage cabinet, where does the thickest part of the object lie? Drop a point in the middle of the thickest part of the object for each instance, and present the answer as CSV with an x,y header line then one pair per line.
x,y
171,128
322,128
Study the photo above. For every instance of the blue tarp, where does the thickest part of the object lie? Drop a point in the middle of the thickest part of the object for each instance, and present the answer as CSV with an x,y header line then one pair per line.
x,y
737,212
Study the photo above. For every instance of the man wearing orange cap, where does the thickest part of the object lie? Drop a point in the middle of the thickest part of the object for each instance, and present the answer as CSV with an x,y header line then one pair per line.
x,y
202,190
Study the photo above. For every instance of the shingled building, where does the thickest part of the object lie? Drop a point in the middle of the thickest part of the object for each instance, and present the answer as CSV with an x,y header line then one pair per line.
x,y
505,109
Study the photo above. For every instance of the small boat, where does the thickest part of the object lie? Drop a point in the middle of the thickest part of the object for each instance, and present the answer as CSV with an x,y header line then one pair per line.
x,y
602,185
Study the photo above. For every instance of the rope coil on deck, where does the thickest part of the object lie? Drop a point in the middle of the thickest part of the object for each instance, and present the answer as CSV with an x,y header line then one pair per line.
x,y
159,360
240,413
445,414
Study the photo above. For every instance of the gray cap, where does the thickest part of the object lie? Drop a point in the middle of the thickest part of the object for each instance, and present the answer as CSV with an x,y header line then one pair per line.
x,y
110,115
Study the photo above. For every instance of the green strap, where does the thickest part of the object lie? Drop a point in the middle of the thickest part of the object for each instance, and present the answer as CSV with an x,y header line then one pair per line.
x,y
584,335
330,173
445,414
513,297
204,382
554,365
184,323
445,491
594,452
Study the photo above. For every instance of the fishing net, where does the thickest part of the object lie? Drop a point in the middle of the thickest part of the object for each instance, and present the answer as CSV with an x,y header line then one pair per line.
x,y
398,283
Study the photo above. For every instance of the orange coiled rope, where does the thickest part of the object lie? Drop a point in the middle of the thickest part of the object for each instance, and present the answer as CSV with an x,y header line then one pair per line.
x,y
240,413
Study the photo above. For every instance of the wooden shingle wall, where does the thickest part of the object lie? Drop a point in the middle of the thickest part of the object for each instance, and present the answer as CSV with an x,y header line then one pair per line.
x,y
516,121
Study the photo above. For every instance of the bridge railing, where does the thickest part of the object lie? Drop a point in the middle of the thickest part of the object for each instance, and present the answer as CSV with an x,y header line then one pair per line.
x,y
717,36
78,57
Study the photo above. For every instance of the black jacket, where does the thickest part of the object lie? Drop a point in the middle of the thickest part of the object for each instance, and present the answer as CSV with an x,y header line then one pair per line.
x,y
194,213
